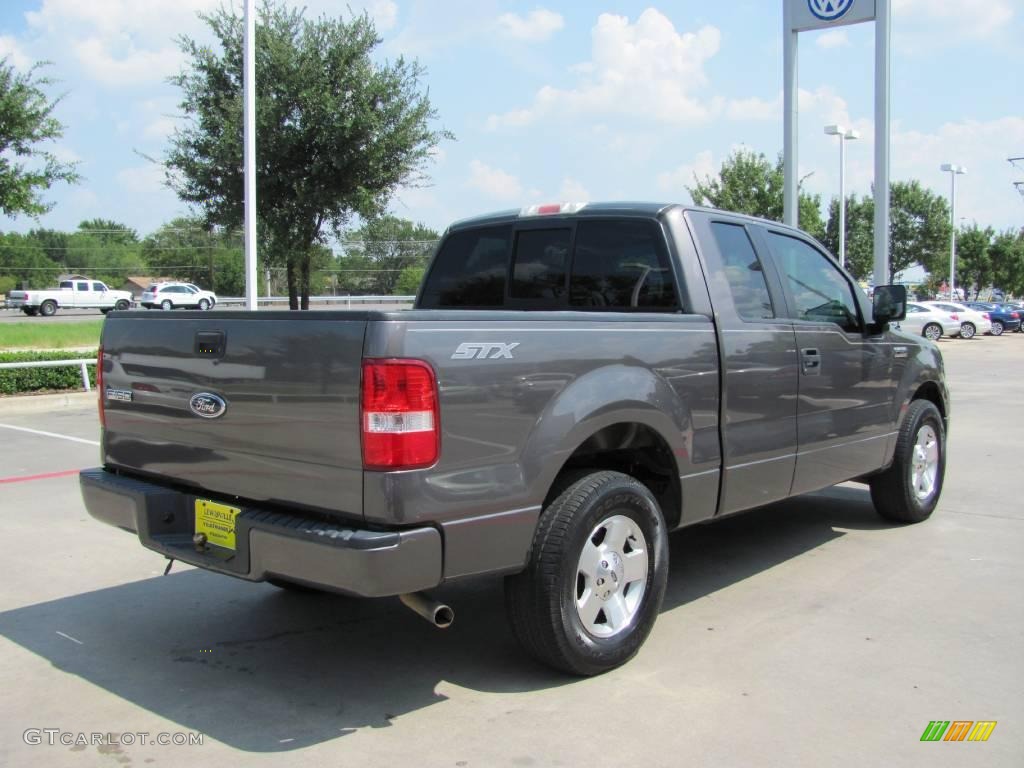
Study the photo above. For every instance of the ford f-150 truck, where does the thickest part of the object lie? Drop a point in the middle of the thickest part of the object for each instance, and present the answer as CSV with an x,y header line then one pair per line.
x,y
573,383
77,293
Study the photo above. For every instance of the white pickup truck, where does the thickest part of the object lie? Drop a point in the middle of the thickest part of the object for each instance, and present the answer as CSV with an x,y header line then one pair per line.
x,y
77,293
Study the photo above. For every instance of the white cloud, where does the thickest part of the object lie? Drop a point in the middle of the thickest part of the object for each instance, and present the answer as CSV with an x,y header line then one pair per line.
x,y
142,178
11,50
973,18
538,25
644,69
384,13
822,101
833,38
494,182
573,191
678,179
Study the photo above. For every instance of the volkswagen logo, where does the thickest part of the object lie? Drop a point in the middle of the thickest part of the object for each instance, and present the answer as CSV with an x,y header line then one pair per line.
x,y
829,10
207,405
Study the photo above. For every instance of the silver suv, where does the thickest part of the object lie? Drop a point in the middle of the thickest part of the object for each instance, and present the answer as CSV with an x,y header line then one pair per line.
x,y
176,296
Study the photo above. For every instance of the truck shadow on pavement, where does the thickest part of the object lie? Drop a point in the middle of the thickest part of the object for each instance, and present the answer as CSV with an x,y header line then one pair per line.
x,y
264,670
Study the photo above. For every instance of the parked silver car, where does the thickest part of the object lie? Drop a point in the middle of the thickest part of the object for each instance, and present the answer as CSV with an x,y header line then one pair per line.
x,y
930,322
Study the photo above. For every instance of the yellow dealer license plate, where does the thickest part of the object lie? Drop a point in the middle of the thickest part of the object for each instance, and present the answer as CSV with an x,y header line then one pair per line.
x,y
217,521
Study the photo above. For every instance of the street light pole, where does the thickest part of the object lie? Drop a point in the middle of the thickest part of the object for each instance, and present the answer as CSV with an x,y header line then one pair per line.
x,y
249,150
953,171
844,136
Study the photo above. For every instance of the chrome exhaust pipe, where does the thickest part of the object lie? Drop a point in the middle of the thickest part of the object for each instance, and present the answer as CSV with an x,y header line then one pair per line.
x,y
438,614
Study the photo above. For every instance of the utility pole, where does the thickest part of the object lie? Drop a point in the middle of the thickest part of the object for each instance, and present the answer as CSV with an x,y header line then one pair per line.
x,y
249,151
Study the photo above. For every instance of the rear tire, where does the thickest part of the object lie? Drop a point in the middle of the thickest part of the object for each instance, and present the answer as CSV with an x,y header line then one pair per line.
x,y
997,328
166,305
48,308
967,330
593,585
932,332
908,491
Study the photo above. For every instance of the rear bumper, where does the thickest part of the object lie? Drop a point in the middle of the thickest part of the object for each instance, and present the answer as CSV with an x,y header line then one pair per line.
x,y
342,559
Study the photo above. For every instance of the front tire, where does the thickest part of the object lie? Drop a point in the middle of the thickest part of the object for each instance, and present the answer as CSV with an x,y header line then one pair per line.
x,y
48,308
997,328
909,489
593,585
932,332
967,330
204,305
122,305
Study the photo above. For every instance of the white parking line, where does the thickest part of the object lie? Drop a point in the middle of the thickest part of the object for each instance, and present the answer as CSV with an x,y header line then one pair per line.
x,y
49,434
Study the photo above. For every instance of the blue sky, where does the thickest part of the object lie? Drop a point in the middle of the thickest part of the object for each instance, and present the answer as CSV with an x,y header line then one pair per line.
x,y
583,101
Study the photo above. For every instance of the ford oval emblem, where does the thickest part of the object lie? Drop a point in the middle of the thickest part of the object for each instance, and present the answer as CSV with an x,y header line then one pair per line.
x,y
207,405
829,10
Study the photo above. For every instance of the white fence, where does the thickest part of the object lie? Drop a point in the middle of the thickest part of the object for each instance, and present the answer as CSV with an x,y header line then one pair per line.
x,y
57,364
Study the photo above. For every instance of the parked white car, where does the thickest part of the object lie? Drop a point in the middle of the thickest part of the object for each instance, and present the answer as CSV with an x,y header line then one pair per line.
x,y
177,296
76,293
930,322
972,322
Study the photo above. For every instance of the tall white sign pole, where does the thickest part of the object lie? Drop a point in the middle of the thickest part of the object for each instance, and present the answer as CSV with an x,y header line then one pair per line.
x,y
801,16
249,152
791,79
883,19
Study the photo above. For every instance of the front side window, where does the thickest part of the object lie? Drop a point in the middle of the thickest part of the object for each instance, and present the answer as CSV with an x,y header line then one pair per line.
x,y
818,289
99,287
621,265
743,272
540,265
469,270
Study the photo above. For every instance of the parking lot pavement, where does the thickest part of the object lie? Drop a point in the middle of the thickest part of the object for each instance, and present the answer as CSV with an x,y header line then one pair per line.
x,y
807,633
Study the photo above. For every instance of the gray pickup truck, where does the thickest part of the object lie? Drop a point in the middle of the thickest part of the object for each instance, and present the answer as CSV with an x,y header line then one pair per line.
x,y
573,383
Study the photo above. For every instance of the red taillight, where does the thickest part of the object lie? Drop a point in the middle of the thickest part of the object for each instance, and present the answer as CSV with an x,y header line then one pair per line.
x,y
102,396
400,417
955,316
1015,315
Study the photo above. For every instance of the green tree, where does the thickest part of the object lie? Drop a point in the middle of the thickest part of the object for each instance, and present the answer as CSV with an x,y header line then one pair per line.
x,y
973,260
337,131
187,249
26,124
409,281
23,260
392,245
1006,254
860,227
918,231
109,232
749,183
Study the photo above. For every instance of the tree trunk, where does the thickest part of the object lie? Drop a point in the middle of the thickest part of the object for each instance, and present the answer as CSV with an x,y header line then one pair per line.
x,y
304,267
293,293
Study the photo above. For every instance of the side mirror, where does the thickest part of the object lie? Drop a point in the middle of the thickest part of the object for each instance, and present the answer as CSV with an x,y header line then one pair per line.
x,y
889,304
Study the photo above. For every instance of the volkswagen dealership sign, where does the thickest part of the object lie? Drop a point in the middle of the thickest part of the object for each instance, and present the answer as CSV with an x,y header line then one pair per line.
x,y
818,14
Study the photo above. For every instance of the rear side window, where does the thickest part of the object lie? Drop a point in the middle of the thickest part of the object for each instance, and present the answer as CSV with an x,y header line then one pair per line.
x,y
621,265
541,263
743,272
82,286
469,270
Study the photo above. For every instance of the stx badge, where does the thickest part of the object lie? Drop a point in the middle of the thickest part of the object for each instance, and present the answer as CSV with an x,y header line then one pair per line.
x,y
484,350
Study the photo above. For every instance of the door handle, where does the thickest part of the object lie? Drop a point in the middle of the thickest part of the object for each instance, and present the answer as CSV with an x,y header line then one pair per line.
x,y
811,361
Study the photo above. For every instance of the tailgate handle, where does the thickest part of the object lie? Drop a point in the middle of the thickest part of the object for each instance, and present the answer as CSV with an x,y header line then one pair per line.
x,y
210,343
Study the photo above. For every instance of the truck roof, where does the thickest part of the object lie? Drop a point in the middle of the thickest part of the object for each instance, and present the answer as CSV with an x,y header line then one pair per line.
x,y
617,208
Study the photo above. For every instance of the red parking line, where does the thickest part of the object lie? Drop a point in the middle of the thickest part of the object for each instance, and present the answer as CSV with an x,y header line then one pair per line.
x,y
44,476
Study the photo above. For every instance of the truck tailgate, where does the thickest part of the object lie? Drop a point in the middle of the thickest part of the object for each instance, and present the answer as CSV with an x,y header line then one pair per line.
x,y
290,382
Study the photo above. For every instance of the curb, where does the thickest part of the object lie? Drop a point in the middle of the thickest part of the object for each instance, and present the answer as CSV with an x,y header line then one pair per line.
x,y
18,404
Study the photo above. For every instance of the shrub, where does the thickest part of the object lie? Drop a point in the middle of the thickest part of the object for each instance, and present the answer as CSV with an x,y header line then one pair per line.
x,y
17,380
